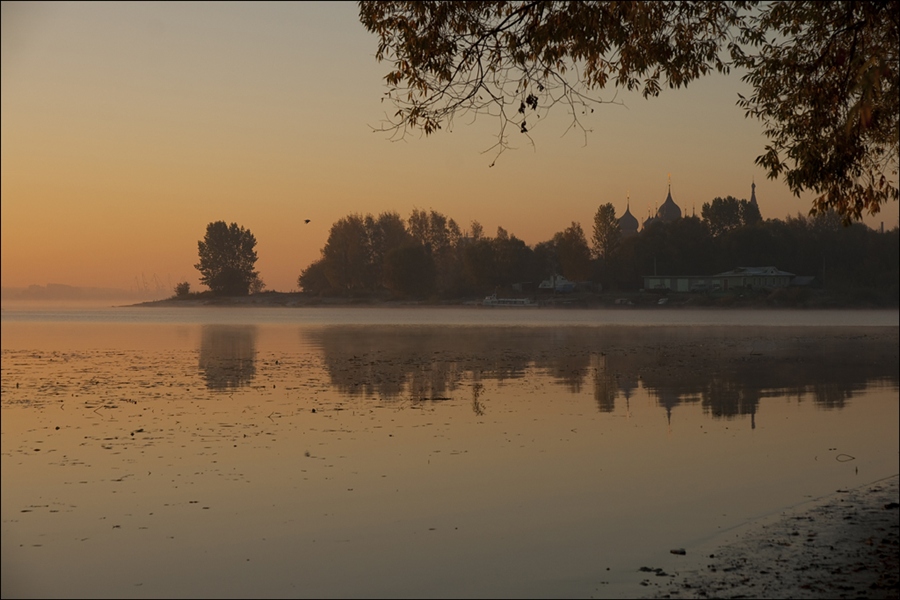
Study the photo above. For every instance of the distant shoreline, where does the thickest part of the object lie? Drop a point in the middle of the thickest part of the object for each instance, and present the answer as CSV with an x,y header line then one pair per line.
x,y
815,299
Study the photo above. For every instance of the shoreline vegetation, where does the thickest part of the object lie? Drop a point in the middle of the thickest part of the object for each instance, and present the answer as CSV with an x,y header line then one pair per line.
x,y
795,298
428,259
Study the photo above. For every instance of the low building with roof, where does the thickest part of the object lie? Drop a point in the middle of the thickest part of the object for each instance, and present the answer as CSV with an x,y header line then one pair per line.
x,y
756,277
764,278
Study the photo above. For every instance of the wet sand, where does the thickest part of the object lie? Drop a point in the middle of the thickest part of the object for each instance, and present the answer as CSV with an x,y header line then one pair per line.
x,y
841,546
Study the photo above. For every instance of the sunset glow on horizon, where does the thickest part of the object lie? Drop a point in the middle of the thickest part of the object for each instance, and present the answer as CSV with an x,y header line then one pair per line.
x,y
127,127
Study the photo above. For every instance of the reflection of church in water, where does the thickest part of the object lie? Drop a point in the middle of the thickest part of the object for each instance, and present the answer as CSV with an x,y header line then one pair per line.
x,y
667,212
436,364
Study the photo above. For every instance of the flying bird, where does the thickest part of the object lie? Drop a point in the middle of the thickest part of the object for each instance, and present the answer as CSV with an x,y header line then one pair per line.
x,y
306,221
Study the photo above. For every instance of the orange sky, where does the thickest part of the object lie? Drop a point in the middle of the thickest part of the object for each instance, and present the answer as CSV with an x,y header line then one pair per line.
x,y
127,127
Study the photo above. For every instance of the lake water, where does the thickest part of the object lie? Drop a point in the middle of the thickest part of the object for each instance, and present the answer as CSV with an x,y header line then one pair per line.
x,y
422,452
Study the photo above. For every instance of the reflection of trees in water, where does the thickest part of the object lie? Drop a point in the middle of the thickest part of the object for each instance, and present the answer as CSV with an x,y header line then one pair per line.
x,y
606,385
562,353
566,369
477,405
727,399
828,364
227,356
421,362
728,371
827,394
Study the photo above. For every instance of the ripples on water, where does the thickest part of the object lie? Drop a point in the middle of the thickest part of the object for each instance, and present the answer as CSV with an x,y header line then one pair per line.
x,y
270,453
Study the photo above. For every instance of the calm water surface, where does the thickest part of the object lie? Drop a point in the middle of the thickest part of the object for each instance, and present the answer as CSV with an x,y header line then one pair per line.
x,y
420,453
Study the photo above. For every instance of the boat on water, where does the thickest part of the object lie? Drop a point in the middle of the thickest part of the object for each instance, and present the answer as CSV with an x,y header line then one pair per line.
x,y
493,300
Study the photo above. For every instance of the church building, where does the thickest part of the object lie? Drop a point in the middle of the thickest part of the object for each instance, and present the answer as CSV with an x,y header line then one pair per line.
x,y
668,212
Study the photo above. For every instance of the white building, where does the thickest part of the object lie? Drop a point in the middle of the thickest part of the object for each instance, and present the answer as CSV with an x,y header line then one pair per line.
x,y
743,277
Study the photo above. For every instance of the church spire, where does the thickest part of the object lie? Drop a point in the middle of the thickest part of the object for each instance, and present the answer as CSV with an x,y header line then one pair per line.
x,y
753,194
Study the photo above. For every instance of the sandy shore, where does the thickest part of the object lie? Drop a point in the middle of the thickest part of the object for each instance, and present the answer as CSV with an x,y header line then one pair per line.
x,y
842,546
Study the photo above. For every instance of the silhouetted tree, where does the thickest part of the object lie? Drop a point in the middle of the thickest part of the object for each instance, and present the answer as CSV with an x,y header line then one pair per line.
x,y
692,246
825,86
346,255
385,233
359,255
546,260
573,253
680,247
512,260
257,286
183,289
227,258
750,214
489,263
479,265
725,214
606,231
409,270
440,236
313,280
624,273
751,246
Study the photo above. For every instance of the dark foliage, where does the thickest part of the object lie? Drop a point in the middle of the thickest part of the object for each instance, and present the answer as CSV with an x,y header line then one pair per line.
x,y
433,259
227,258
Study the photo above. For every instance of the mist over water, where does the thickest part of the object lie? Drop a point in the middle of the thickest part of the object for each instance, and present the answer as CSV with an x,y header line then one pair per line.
x,y
420,453
55,295
461,316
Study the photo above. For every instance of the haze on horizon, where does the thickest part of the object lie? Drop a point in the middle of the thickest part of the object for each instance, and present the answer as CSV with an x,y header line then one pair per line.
x,y
127,127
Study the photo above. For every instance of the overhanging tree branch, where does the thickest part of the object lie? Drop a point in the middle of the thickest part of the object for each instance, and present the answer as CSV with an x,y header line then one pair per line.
x,y
824,74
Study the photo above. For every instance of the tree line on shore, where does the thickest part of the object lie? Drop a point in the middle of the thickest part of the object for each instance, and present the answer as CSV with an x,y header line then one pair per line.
x,y
429,256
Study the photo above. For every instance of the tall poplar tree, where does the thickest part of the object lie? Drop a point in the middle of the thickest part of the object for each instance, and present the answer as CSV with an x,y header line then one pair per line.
x,y
606,231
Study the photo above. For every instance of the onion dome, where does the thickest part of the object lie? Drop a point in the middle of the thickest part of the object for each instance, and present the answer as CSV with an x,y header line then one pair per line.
x,y
669,211
628,224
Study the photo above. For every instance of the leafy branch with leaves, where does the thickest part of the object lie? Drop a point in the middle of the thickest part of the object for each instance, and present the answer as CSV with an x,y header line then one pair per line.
x,y
824,74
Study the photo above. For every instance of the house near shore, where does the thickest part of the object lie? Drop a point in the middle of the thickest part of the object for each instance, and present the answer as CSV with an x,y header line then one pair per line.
x,y
557,283
760,278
